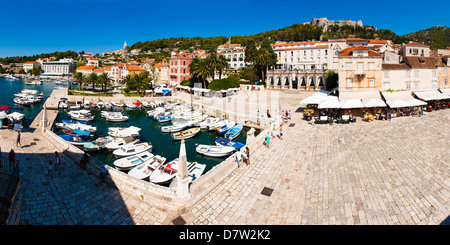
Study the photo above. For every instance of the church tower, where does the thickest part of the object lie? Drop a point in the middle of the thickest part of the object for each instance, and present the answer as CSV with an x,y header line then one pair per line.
x,y
125,51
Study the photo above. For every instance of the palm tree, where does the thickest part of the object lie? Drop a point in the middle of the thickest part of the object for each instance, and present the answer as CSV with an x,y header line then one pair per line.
x,y
213,63
79,77
263,60
200,69
223,65
92,78
105,80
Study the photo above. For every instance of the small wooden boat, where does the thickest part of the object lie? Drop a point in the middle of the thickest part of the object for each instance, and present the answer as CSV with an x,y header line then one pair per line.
x,y
227,142
208,121
217,125
228,125
128,150
186,134
97,144
123,132
166,172
119,142
129,162
175,127
234,132
193,174
76,140
214,150
144,170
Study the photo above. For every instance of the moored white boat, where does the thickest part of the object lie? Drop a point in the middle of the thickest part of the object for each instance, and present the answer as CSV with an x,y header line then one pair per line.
x,y
78,125
97,144
119,142
128,150
208,121
144,170
166,172
228,125
175,127
193,173
123,132
214,126
129,162
214,150
116,117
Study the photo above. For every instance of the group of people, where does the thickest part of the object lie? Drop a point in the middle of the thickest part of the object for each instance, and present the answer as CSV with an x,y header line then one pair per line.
x,y
243,157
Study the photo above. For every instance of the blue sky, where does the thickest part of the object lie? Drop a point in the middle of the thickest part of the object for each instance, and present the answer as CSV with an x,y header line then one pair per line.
x,y
34,27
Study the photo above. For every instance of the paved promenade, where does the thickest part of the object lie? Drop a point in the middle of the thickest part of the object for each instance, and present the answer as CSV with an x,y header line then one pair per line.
x,y
381,172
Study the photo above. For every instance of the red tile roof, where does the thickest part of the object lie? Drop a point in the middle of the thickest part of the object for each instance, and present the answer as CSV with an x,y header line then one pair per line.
x,y
349,51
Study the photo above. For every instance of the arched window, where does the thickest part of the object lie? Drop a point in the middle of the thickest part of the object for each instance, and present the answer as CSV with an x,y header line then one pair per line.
x,y
286,81
312,81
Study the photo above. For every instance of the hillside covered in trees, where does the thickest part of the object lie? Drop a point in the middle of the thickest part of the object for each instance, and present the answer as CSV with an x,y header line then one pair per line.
x,y
437,37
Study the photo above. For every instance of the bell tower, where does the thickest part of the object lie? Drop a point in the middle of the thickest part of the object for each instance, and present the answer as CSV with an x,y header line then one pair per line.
x,y
125,51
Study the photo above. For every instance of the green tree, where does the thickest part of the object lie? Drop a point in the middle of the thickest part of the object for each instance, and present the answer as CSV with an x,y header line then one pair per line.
x,y
199,68
93,79
104,80
331,80
250,52
223,65
79,78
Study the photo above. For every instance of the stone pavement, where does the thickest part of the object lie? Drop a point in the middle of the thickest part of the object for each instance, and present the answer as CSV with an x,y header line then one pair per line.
x,y
381,172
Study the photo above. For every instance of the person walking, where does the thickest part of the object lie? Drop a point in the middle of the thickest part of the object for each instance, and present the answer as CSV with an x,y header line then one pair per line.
x,y
50,168
57,162
247,151
281,131
18,139
268,140
238,157
103,173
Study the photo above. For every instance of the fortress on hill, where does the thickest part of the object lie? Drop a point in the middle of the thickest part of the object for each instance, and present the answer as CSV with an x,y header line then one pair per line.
x,y
324,22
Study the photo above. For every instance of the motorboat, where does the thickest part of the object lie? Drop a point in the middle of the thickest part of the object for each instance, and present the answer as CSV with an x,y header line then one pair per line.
x,y
234,132
123,132
82,115
86,104
155,112
76,132
22,101
101,105
78,105
138,105
108,106
214,150
166,172
144,170
76,140
227,142
116,143
76,125
116,117
193,173
164,117
228,125
185,134
114,103
126,163
10,77
217,125
175,127
208,121
128,150
97,144
130,105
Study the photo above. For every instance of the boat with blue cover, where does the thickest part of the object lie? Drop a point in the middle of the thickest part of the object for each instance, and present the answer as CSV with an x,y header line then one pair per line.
x,y
234,132
76,140
228,142
228,125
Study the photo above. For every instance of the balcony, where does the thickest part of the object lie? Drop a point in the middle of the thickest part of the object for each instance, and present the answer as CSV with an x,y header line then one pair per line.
x,y
359,73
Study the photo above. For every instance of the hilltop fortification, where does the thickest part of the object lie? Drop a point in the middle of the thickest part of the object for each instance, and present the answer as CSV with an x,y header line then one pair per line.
x,y
324,22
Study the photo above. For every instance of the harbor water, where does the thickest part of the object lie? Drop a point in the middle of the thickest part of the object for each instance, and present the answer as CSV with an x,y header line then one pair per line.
x,y
162,142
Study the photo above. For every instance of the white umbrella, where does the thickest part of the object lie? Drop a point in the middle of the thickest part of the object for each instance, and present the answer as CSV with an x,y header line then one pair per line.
x,y
375,102
16,115
314,99
331,102
3,115
397,103
351,103
416,102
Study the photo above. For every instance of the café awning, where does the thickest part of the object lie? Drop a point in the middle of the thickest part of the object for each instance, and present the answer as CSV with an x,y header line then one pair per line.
x,y
330,102
351,103
428,95
315,98
396,99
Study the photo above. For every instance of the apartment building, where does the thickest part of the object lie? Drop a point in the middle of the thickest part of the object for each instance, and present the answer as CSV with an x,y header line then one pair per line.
x,y
62,67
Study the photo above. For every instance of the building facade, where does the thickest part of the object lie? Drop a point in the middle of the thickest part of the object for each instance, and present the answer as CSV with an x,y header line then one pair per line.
x,y
63,67
359,69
